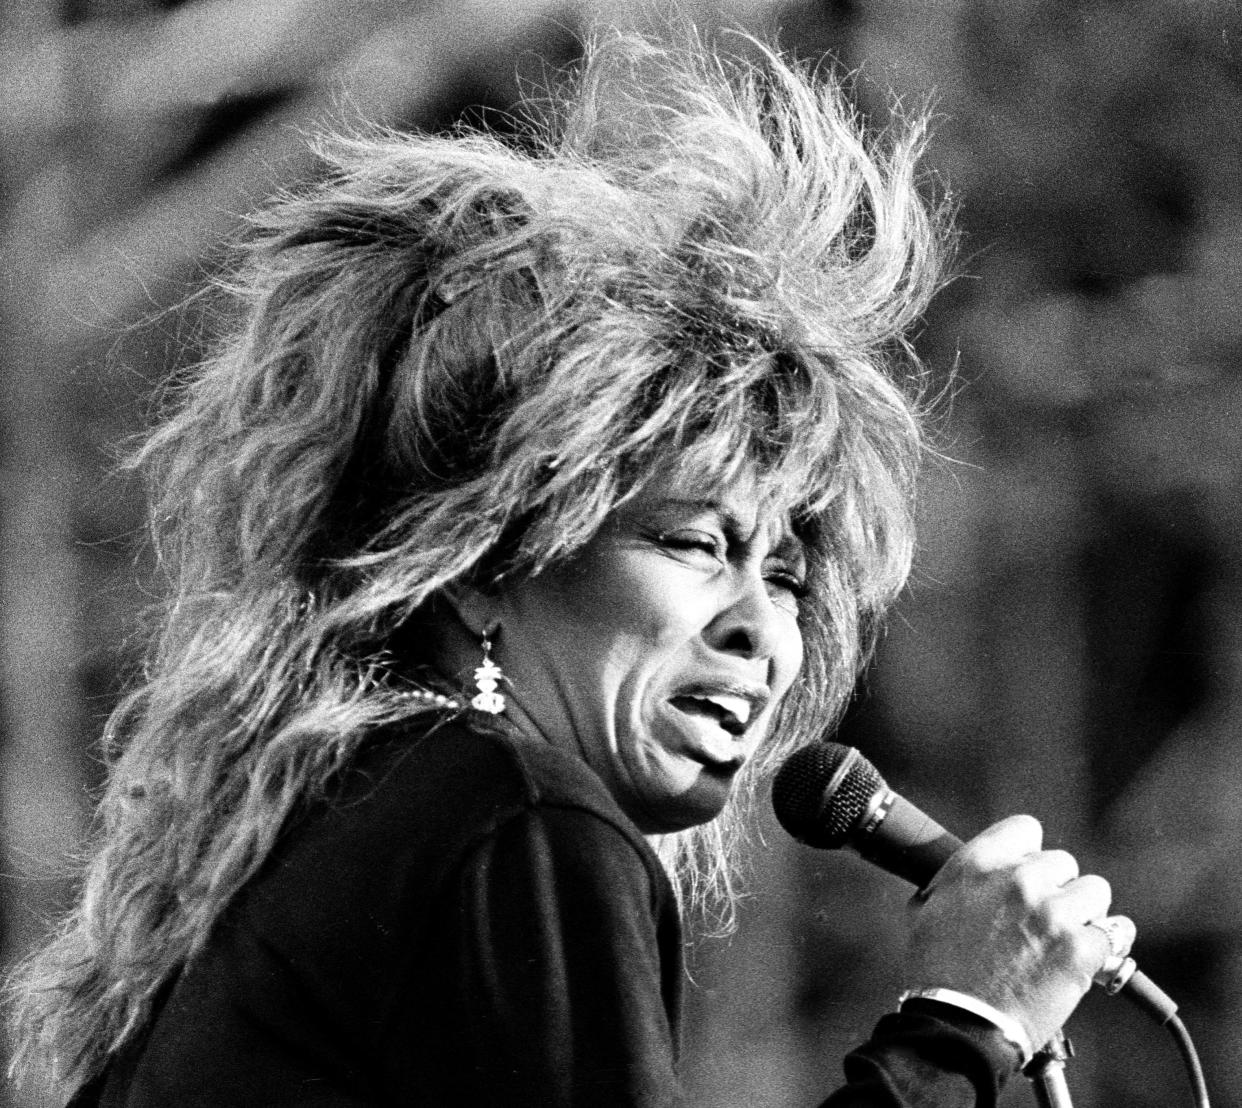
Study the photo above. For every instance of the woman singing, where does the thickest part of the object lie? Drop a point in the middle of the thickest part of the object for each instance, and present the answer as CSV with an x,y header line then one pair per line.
x,y
538,500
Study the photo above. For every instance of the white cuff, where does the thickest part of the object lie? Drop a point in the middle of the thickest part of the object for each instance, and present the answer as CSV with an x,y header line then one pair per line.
x,y
1013,1031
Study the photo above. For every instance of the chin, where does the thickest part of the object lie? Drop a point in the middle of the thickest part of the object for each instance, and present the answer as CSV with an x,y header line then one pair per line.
x,y
669,814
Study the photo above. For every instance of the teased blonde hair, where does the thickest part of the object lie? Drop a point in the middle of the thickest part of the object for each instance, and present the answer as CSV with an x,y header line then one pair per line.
x,y
453,357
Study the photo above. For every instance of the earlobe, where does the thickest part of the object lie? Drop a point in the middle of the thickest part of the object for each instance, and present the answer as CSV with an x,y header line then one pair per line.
x,y
477,611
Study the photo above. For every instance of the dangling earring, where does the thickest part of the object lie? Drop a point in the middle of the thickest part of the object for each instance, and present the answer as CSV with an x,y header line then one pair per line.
x,y
487,677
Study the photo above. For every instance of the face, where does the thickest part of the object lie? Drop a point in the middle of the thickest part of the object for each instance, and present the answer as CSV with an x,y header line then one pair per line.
x,y
661,652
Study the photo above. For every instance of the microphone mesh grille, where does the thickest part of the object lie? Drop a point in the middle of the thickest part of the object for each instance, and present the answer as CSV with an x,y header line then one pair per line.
x,y
822,792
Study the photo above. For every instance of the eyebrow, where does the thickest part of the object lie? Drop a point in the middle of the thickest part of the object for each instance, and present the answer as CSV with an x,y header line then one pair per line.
x,y
732,523
729,519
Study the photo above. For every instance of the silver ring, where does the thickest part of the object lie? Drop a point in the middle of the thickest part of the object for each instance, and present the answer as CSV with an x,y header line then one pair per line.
x,y
1109,928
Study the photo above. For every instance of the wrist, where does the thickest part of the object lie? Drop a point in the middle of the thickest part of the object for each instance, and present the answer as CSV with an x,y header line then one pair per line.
x,y
1013,1032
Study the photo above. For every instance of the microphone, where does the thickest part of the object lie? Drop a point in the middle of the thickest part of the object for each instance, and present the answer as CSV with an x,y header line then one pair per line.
x,y
829,796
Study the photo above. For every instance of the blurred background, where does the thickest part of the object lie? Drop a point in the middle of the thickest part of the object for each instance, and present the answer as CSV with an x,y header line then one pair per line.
x,y
1071,644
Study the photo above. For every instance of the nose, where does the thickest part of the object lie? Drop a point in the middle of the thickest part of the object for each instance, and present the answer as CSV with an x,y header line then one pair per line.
x,y
749,624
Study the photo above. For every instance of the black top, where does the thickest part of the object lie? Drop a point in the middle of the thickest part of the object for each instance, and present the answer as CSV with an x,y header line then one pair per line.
x,y
470,920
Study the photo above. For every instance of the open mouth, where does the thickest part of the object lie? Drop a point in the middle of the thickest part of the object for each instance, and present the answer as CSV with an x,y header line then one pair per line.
x,y
732,713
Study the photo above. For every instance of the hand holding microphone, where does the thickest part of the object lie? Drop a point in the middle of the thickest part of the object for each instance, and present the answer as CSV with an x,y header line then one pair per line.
x,y
998,918
1015,926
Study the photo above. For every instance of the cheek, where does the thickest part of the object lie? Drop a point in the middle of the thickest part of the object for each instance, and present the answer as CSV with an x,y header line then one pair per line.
x,y
631,600
603,630
787,662
793,653
640,624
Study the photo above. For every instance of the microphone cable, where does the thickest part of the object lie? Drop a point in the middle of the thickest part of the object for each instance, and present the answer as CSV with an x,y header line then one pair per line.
x,y
1194,1069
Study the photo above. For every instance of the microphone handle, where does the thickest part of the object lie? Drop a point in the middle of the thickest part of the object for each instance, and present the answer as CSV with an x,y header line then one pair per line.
x,y
912,845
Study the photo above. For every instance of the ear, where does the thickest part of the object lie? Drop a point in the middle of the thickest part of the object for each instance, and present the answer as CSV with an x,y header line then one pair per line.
x,y
478,612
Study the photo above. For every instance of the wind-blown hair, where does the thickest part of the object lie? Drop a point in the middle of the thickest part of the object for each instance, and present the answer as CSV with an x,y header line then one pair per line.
x,y
453,357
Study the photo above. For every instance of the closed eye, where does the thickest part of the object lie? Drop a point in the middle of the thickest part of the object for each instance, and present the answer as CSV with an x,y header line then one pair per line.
x,y
692,540
790,582
787,590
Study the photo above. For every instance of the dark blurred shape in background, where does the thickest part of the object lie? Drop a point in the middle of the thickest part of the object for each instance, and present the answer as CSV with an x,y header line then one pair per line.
x,y
1072,642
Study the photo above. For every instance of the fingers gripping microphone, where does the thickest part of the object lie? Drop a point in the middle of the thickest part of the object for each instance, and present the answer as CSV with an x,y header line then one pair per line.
x,y
827,795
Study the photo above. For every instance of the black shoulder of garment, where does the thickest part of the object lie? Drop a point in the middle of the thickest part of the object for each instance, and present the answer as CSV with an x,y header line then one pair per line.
x,y
467,919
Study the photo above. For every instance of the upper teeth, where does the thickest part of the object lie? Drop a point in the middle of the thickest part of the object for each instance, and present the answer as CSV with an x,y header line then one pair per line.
x,y
737,706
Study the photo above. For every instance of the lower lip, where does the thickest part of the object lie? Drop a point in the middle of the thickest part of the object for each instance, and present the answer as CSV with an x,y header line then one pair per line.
x,y
719,775
716,749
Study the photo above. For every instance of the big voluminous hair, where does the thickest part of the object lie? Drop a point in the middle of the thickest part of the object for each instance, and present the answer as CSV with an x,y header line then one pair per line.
x,y
448,360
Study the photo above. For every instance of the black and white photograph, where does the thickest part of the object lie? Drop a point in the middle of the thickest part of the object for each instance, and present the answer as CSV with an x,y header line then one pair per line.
x,y
662,554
